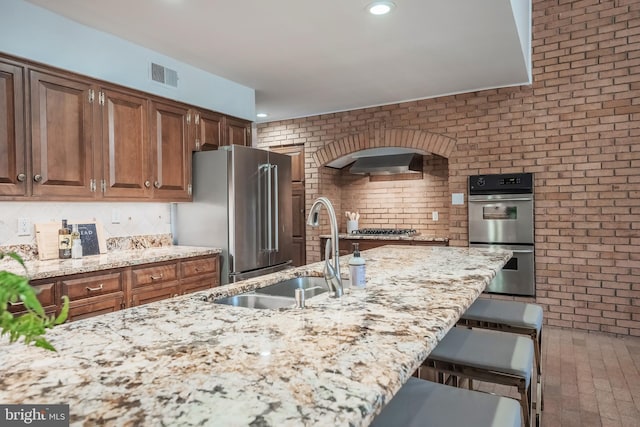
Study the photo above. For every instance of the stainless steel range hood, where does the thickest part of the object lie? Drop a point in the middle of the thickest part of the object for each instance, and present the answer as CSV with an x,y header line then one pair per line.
x,y
388,165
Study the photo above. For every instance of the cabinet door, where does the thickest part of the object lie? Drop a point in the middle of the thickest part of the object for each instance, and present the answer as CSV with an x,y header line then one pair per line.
x,y
125,145
46,294
13,171
209,130
89,307
61,136
238,132
299,226
171,153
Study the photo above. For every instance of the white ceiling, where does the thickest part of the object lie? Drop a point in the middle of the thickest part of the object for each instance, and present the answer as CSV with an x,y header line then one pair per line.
x,y
305,58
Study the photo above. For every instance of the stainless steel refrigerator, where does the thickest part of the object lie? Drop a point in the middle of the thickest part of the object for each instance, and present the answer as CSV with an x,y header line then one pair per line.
x,y
242,204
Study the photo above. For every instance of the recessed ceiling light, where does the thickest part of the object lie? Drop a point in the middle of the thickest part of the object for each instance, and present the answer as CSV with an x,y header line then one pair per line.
x,y
380,7
262,115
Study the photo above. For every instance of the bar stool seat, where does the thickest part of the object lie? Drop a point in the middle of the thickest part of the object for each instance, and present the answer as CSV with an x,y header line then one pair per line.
x,y
512,313
514,317
499,358
428,404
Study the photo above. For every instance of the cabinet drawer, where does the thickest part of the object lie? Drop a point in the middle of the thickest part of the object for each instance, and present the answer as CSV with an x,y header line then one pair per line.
x,y
91,286
154,293
200,284
89,307
46,296
199,267
154,274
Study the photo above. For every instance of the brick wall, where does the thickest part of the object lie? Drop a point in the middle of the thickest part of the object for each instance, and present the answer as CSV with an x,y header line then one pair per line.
x,y
405,203
577,128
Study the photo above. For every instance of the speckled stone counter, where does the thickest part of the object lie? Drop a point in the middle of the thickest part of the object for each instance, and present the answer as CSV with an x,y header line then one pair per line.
x,y
188,361
118,258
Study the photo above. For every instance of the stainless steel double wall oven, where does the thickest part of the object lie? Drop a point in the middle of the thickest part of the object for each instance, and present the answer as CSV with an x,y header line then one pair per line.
x,y
501,216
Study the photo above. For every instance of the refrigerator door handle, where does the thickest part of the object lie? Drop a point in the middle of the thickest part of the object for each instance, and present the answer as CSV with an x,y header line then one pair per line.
x,y
263,245
277,203
269,208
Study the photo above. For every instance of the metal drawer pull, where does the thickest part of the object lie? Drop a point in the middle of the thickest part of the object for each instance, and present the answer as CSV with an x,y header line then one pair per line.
x,y
15,304
156,277
99,288
197,270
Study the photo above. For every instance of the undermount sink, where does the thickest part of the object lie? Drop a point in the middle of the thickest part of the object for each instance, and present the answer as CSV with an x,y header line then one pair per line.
x,y
257,301
278,295
311,285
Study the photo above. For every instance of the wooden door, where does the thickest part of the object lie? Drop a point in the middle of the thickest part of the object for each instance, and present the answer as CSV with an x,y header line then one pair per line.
x,y
298,213
61,136
237,132
171,152
125,155
13,167
209,130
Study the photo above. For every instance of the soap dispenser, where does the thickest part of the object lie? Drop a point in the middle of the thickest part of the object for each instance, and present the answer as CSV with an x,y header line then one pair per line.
x,y
357,269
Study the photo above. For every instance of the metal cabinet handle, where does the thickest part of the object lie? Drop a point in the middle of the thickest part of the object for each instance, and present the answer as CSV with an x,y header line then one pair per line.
x,y
99,288
197,270
156,277
21,177
37,178
156,184
147,184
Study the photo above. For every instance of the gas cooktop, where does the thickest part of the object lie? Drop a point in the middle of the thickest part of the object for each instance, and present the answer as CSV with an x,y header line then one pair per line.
x,y
385,232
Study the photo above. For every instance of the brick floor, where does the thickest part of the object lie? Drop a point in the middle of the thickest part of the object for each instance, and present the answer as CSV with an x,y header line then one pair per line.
x,y
590,380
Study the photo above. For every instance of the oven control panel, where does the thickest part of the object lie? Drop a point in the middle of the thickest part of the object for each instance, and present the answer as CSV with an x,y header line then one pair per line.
x,y
518,183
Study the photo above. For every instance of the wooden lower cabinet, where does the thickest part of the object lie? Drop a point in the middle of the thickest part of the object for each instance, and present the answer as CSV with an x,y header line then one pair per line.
x,y
89,307
91,294
100,292
159,281
46,291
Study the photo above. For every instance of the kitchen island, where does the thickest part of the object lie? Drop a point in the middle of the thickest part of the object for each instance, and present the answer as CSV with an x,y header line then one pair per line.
x,y
189,361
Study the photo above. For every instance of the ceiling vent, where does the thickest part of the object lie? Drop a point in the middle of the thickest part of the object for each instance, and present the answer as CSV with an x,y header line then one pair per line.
x,y
164,75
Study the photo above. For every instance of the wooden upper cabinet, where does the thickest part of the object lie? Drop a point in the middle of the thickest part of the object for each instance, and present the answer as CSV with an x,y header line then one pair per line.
x,y
171,152
13,167
208,130
238,132
296,152
61,136
124,156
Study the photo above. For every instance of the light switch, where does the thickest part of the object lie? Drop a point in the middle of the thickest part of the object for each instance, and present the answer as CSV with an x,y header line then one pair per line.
x,y
457,199
434,215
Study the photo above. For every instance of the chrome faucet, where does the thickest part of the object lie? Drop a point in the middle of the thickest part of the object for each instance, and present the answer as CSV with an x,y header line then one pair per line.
x,y
331,250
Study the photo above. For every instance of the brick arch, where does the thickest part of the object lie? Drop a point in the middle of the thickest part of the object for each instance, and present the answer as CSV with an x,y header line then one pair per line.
x,y
426,141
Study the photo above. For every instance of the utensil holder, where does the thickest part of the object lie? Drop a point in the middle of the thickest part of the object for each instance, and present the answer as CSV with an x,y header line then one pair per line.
x,y
351,226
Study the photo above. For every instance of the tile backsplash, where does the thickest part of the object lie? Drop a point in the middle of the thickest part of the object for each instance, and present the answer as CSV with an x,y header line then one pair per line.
x,y
134,218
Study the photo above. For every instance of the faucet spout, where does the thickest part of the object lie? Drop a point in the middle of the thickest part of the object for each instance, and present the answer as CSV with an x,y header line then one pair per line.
x,y
332,252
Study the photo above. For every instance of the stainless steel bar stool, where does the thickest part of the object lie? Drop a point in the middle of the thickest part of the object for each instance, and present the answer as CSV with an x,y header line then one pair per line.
x,y
514,317
499,358
428,404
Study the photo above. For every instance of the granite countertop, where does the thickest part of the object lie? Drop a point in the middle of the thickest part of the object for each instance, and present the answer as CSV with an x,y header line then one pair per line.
x,y
113,259
418,237
188,361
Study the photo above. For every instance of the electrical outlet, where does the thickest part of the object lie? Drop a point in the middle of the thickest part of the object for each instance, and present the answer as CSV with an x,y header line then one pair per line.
x,y
434,215
24,227
115,216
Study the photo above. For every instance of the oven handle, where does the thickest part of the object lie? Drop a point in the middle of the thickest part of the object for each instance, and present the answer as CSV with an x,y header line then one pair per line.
x,y
514,199
521,251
